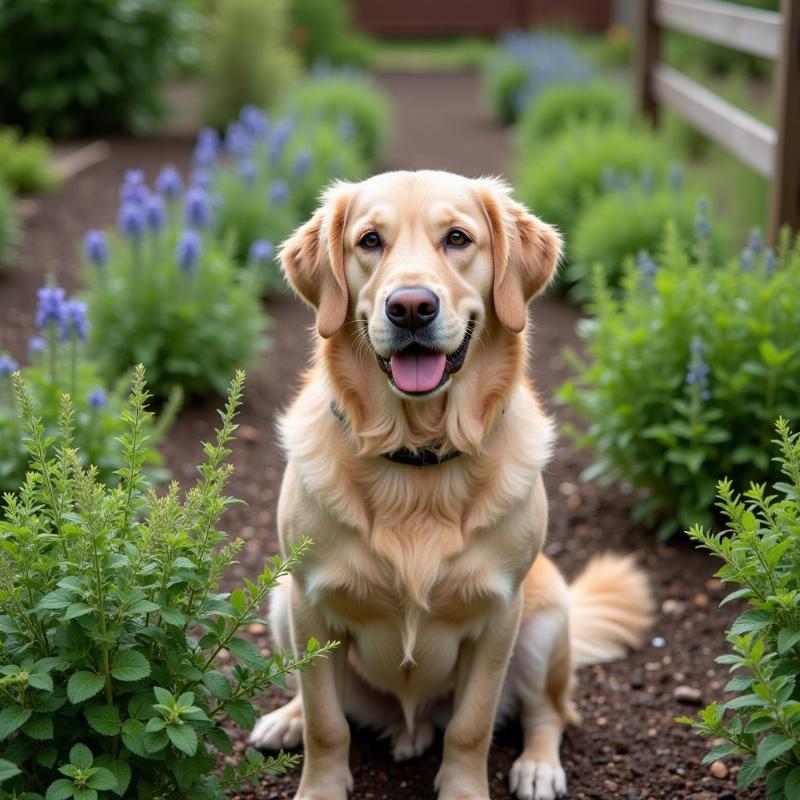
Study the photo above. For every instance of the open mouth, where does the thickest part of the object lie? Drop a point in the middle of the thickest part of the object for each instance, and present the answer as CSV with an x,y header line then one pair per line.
x,y
419,370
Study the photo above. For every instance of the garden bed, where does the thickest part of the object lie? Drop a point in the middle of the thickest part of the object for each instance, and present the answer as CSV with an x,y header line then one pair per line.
x,y
629,747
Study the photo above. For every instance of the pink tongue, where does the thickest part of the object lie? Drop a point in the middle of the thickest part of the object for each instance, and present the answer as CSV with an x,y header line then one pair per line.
x,y
417,372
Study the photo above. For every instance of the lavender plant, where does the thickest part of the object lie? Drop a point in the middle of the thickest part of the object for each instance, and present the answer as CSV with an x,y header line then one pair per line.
x,y
113,626
59,365
689,367
165,292
760,553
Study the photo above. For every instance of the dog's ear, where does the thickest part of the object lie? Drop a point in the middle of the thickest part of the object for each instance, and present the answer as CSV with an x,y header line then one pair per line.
x,y
525,250
313,260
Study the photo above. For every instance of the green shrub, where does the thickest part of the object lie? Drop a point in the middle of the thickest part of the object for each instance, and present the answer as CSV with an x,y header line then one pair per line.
x,y
59,366
113,625
558,179
626,223
613,50
9,226
170,296
760,551
25,163
248,60
504,81
347,100
559,106
688,370
323,31
68,69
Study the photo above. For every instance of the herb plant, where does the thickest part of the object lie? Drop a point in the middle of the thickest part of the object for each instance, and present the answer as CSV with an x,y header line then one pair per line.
x,y
164,291
760,551
113,626
61,365
323,31
688,369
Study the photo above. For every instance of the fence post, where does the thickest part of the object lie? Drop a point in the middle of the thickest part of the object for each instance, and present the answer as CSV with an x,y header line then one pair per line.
x,y
785,190
648,46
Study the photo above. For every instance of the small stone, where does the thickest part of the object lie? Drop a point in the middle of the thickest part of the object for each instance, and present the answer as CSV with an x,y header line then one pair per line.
x,y
601,722
248,433
612,786
673,607
719,770
256,628
637,682
688,695
727,795
658,641
700,599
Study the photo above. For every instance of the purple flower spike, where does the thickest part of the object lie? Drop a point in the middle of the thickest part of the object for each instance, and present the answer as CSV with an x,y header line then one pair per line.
x,y
51,309
75,320
302,163
237,140
97,398
188,251
36,344
7,365
255,121
131,221
279,192
202,178
169,183
261,252
247,170
155,213
95,247
198,208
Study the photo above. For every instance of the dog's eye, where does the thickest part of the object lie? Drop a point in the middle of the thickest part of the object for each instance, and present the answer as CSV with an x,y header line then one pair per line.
x,y
457,238
370,241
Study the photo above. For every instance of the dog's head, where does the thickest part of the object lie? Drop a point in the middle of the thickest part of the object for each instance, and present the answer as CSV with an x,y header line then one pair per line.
x,y
421,265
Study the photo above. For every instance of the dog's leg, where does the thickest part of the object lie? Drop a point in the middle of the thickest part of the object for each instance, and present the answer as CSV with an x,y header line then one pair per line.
x,y
539,677
480,672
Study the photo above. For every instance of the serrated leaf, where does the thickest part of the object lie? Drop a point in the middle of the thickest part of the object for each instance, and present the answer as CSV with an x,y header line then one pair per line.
x,y
83,685
7,770
787,639
75,610
217,683
11,718
246,652
129,665
183,737
792,785
81,756
40,680
133,733
103,719
102,780
172,616
60,789
772,747
39,728
749,772
163,696
120,769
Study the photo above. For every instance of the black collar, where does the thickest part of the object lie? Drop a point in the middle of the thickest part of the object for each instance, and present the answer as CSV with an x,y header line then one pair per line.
x,y
426,457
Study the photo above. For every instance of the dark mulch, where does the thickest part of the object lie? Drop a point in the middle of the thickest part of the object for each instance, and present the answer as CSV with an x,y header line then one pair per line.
x,y
628,746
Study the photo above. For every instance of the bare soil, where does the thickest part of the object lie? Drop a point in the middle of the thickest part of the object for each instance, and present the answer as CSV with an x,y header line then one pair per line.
x,y
628,747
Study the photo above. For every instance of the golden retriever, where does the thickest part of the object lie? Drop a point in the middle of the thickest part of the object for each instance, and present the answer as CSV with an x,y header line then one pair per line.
x,y
415,454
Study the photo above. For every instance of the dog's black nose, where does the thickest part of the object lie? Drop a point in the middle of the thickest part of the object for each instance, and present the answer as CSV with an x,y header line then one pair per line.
x,y
412,307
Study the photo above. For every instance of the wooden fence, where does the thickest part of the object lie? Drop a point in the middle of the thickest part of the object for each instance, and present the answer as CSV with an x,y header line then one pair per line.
x,y
773,152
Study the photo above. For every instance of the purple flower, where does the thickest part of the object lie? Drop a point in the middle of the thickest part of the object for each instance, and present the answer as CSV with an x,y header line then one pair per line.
x,y
281,133
756,242
237,140
676,177
97,398
188,251
51,308
208,137
198,208
36,344
746,259
134,189
7,365
255,121
698,370
131,220
75,320
155,212
646,265
769,262
302,163
202,178
261,252
169,183
95,247
247,170
279,192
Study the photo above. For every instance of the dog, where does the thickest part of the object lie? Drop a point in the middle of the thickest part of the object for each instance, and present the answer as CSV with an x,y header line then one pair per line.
x,y
415,450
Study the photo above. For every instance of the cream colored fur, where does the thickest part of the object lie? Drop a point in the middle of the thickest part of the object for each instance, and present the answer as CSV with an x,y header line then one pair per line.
x,y
428,574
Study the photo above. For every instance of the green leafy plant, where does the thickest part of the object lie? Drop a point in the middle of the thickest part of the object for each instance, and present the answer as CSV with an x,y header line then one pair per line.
x,y
323,31
9,227
166,293
504,80
629,222
248,59
559,106
113,626
760,551
99,65
559,178
347,100
688,369
60,365
25,162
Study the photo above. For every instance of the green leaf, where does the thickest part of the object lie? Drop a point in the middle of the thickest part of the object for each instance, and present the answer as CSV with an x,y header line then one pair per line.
x,y
792,785
242,712
60,789
83,685
749,773
246,652
720,751
102,780
84,793
218,684
57,599
120,769
787,639
238,600
7,770
133,737
172,616
163,696
40,680
11,718
40,728
81,757
183,737
76,610
772,747
103,719
129,665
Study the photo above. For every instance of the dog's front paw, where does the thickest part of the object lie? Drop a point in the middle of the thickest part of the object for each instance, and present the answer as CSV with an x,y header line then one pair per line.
x,y
537,780
281,729
330,788
407,745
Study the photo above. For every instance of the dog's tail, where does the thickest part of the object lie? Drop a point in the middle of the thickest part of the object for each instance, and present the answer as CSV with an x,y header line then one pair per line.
x,y
611,608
